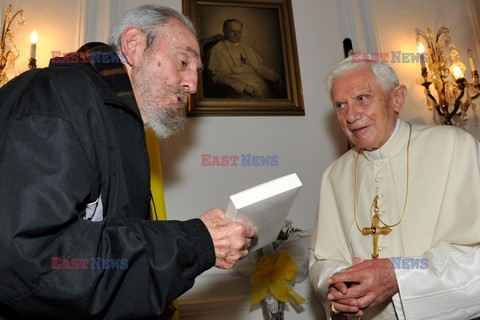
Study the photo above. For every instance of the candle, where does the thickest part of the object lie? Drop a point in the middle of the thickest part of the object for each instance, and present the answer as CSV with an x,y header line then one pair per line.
x,y
422,61
470,59
33,46
421,50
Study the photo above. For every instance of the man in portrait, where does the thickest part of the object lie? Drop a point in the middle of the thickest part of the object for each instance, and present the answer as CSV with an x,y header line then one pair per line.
x,y
237,70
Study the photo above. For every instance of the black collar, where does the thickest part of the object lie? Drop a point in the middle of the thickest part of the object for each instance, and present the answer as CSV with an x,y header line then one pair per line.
x,y
108,65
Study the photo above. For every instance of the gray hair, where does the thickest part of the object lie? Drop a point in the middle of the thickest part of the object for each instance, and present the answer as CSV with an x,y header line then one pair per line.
x,y
384,74
146,18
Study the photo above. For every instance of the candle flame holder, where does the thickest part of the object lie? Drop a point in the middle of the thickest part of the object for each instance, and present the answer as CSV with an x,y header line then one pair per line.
x,y
32,63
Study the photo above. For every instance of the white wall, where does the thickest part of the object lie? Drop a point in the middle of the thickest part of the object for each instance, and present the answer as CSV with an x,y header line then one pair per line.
x,y
305,145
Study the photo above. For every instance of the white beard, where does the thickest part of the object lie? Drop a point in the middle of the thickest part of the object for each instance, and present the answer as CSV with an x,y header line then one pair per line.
x,y
164,121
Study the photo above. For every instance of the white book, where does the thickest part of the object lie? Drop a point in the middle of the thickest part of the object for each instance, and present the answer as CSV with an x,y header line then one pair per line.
x,y
265,206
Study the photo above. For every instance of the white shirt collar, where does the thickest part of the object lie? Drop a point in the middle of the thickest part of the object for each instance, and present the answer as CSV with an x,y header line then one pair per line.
x,y
376,154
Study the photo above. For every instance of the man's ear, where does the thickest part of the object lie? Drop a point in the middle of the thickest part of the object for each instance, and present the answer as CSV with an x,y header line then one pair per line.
x,y
399,96
133,43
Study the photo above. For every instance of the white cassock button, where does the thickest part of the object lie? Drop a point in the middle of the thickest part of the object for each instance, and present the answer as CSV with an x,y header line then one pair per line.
x,y
380,248
377,179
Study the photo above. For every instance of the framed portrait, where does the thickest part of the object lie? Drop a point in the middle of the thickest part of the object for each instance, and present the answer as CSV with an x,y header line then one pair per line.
x,y
249,52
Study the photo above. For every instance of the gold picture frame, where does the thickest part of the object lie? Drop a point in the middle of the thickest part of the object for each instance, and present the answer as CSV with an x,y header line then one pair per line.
x,y
268,29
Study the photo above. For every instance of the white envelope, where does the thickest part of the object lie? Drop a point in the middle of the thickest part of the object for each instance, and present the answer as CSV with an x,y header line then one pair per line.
x,y
266,206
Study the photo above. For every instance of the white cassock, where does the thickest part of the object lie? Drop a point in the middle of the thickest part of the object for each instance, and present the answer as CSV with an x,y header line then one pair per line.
x,y
441,221
238,65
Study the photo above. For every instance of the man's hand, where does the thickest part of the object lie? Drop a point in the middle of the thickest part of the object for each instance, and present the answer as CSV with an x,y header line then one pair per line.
x,y
347,306
231,239
251,91
363,285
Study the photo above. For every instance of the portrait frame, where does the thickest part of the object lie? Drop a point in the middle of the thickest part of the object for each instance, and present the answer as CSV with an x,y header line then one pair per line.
x,y
275,42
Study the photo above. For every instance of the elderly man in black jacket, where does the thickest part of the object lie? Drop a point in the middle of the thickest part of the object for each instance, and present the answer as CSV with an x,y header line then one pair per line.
x,y
74,180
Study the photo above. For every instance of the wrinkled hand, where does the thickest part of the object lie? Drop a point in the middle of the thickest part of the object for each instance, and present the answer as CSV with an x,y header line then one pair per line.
x,y
348,306
231,239
363,286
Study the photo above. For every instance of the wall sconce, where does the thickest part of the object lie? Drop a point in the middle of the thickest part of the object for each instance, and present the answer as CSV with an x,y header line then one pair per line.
x,y
8,57
449,109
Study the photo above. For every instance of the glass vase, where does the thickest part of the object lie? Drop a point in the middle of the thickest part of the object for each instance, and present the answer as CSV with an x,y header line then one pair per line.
x,y
272,309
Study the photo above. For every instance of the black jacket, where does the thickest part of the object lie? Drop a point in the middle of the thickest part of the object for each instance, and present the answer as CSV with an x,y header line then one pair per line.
x,y
66,140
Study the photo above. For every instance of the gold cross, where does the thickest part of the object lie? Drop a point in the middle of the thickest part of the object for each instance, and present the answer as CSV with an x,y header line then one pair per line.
x,y
375,230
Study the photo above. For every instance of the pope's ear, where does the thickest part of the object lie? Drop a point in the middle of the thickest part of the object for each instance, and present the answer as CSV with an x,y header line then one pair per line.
x,y
132,44
399,96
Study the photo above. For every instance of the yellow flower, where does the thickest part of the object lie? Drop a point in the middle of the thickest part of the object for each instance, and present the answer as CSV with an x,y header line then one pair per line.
x,y
275,275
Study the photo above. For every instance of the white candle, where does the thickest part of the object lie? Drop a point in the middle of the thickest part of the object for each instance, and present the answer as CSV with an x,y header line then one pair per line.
x,y
470,59
33,46
421,50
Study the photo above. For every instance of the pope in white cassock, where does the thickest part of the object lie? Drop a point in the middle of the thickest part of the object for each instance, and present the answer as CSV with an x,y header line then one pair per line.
x,y
239,66
405,201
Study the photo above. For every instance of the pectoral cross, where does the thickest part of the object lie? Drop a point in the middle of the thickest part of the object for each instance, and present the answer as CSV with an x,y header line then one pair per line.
x,y
243,60
375,230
